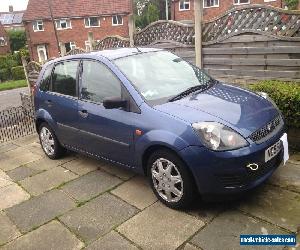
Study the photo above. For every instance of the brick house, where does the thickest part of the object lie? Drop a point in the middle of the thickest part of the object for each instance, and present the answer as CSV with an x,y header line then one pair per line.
x,y
73,20
183,10
4,41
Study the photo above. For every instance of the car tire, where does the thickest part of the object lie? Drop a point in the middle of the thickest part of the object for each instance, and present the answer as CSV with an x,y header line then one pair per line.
x,y
49,142
163,180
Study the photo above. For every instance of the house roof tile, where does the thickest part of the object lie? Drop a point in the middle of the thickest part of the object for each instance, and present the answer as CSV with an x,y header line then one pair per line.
x,y
39,9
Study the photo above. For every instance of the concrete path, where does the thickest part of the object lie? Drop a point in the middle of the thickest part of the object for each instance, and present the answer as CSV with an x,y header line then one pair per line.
x,y
11,98
77,203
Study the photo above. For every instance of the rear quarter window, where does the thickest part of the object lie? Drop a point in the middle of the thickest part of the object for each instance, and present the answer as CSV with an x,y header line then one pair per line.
x,y
45,82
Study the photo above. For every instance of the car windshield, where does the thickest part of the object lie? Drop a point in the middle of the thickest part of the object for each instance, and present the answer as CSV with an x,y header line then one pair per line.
x,y
161,75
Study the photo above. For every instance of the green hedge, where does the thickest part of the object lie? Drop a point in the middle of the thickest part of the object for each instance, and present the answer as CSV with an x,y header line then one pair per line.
x,y
18,73
287,97
4,74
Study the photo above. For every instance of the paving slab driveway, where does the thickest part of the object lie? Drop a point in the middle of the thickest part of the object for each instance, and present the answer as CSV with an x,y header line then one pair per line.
x,y
77,202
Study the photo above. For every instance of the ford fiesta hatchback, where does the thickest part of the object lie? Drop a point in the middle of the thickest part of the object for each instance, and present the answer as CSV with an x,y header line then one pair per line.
x,y
150,111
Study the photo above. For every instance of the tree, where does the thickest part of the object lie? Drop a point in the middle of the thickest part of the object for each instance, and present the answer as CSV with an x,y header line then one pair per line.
x,y
17,39
146,12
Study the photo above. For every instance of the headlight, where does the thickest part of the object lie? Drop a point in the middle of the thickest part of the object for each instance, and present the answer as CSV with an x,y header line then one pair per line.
x,y
219,137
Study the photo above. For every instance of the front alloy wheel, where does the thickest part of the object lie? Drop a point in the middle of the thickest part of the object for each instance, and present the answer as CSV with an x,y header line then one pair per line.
x,y
167,180
170,179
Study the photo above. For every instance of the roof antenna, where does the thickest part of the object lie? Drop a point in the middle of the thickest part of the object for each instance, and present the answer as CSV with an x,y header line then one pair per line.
x,y
138,50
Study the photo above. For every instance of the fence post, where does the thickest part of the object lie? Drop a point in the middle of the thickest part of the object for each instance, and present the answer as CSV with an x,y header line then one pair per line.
x,y
91,40
63,51
24,63
131,25
198,32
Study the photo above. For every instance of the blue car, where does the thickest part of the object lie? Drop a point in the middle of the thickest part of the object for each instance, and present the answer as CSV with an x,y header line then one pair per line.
x,y
151,111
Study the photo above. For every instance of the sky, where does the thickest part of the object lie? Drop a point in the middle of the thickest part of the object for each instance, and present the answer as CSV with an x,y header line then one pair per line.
x,y
18,4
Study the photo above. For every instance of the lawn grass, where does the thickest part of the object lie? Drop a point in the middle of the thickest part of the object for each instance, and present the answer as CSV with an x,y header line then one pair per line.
x,y
13,85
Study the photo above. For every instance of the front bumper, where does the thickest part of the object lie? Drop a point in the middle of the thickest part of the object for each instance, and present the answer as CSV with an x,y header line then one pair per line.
x,y
225,173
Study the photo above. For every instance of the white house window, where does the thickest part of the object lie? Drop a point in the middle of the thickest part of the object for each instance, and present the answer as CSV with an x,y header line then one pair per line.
x,y
117,20
69,46
38,26
63,24
184,5
210,3
239,2
2,41
92,22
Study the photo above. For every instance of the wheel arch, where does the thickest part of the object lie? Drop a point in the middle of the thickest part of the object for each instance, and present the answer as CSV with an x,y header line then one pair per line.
x,y
153,148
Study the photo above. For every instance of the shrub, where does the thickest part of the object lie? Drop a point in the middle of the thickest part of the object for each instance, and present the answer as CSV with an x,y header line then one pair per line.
x,y
4,74
18,73
287,97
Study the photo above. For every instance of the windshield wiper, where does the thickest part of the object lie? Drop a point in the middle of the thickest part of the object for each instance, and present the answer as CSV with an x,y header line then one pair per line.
x,y
189,91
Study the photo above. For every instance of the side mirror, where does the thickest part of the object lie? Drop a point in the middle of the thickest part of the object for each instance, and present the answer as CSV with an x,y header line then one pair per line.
x,y
114,103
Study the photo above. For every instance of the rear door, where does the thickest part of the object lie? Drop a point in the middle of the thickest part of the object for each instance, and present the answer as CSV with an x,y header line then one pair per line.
x,y
106,133
62,101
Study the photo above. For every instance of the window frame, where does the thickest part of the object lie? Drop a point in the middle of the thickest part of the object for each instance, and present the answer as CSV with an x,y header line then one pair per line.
x,y
63,20
118,24
239,2
89,22
77,79
213,6
184,3
37,25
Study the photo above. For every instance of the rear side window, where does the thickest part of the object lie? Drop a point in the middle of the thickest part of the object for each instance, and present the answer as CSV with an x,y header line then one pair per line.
x,y
64,78
45,82
98,82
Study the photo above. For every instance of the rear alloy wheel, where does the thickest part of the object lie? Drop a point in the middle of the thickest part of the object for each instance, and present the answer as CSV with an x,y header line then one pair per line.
x,y
49,142
170,180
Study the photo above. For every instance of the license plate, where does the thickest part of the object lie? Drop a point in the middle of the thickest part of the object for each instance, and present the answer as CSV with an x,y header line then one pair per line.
x,y
272,151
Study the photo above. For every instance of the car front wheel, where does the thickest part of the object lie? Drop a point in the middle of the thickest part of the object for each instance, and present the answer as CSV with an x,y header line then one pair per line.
x,y
170,179
49,142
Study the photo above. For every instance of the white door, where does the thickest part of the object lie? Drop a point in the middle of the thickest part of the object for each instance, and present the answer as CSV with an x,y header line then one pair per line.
x,y
42,53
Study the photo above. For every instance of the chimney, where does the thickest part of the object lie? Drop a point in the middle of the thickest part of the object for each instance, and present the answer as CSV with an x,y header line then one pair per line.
x,y
11,8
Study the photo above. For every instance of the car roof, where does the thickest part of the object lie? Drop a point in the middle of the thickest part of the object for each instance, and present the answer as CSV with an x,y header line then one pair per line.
x,y
111,55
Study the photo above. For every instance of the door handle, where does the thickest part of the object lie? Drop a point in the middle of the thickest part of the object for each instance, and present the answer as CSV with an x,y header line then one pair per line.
x,y
83,113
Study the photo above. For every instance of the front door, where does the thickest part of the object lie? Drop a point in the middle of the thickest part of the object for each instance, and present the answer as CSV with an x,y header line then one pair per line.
x,y
107,133
42,53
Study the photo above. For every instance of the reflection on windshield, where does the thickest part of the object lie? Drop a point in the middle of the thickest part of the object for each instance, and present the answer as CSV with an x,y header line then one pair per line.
x,y
161,74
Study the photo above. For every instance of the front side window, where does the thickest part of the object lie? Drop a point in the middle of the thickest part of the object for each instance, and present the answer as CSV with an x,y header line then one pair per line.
x,y
210,3
63,24
161,75
238,2
184,5
64,78
92,22
45,83
117,20
98,82
38,26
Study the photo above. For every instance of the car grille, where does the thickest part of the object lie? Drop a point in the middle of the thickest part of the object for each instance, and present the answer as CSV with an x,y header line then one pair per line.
x,y
267,131
240,180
